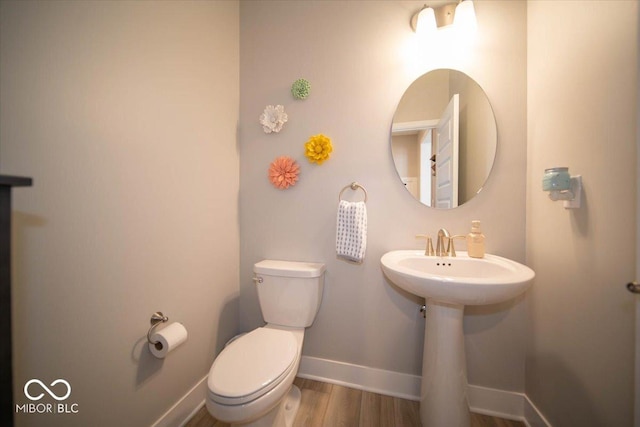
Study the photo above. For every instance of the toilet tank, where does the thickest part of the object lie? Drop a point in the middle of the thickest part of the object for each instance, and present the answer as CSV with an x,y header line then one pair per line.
x,y
289,292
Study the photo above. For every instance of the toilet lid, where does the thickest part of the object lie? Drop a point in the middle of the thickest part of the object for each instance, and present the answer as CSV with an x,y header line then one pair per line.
x,y
252,365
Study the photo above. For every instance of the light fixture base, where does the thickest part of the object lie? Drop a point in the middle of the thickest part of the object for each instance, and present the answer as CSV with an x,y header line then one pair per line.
x,y
444,16
414,20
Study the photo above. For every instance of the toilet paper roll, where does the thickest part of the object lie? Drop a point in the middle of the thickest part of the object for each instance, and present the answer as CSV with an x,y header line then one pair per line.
x,y
168,339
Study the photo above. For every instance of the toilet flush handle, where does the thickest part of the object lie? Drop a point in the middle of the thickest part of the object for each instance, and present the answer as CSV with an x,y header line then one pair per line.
x,y
257,279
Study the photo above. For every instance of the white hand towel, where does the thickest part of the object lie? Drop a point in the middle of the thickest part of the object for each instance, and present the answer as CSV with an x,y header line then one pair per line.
x,y
351,231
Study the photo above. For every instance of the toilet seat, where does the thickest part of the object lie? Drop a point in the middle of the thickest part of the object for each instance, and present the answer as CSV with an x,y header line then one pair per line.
x,y
252,365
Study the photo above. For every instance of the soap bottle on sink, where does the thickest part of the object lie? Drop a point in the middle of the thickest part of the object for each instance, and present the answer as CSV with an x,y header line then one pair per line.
x,y
475,241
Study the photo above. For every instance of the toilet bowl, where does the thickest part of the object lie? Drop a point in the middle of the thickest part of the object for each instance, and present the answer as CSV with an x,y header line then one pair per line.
x,y
253,375
251,381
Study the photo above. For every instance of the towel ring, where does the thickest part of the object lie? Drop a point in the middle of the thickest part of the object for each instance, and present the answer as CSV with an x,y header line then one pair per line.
x,y
354,186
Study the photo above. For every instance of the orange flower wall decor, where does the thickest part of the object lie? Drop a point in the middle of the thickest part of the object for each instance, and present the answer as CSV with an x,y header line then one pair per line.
x,y
283,172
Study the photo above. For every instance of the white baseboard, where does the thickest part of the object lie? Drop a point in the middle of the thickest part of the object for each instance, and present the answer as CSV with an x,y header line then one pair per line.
x,y
389,383
482,400
497,403
533,417
186,407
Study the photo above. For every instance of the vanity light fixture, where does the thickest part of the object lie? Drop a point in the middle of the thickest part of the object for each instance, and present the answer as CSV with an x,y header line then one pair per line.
x,y
458,15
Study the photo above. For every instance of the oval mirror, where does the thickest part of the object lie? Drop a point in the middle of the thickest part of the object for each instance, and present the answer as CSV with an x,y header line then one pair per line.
x,y
444,138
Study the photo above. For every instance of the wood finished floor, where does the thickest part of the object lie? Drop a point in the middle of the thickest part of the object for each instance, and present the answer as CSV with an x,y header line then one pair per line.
x,y
328,405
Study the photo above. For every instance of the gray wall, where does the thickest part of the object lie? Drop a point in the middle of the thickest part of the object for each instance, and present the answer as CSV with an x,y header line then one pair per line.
x,y
359,59
125,115
582,113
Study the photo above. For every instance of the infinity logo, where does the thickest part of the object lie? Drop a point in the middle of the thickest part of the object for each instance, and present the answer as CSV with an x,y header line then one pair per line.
x,y
51,393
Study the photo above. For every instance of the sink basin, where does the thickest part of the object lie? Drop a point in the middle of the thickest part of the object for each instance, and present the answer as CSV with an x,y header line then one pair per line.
x,y
448,284
457,280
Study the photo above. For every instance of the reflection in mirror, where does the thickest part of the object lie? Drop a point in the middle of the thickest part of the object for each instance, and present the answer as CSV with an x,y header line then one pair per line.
x,y
444,138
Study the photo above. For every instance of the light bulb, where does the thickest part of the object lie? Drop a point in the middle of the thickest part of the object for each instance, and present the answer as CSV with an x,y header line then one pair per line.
x,y
426,22
465,17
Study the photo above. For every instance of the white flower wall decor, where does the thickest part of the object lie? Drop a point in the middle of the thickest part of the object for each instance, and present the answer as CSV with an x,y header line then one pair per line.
x,y
273,118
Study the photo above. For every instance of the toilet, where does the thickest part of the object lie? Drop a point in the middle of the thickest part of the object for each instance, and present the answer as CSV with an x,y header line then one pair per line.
x,y
251,381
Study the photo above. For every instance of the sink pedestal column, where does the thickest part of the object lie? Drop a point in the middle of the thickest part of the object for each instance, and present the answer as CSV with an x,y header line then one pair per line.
x,y
443,398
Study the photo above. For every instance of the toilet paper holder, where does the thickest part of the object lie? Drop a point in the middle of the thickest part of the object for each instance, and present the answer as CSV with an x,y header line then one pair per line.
x,y
156,319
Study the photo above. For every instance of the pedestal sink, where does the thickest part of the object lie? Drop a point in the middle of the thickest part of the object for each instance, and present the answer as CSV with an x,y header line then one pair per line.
x,y
448,284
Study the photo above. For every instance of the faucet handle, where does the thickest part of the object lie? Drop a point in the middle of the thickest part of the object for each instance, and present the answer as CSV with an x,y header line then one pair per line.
x,y
452,249
428,250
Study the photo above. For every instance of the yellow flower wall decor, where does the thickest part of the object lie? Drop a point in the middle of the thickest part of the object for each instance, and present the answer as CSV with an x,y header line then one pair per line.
x,y
283,172
318,148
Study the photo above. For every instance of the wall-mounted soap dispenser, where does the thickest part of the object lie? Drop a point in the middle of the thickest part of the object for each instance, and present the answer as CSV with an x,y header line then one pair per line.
x,y
562,186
